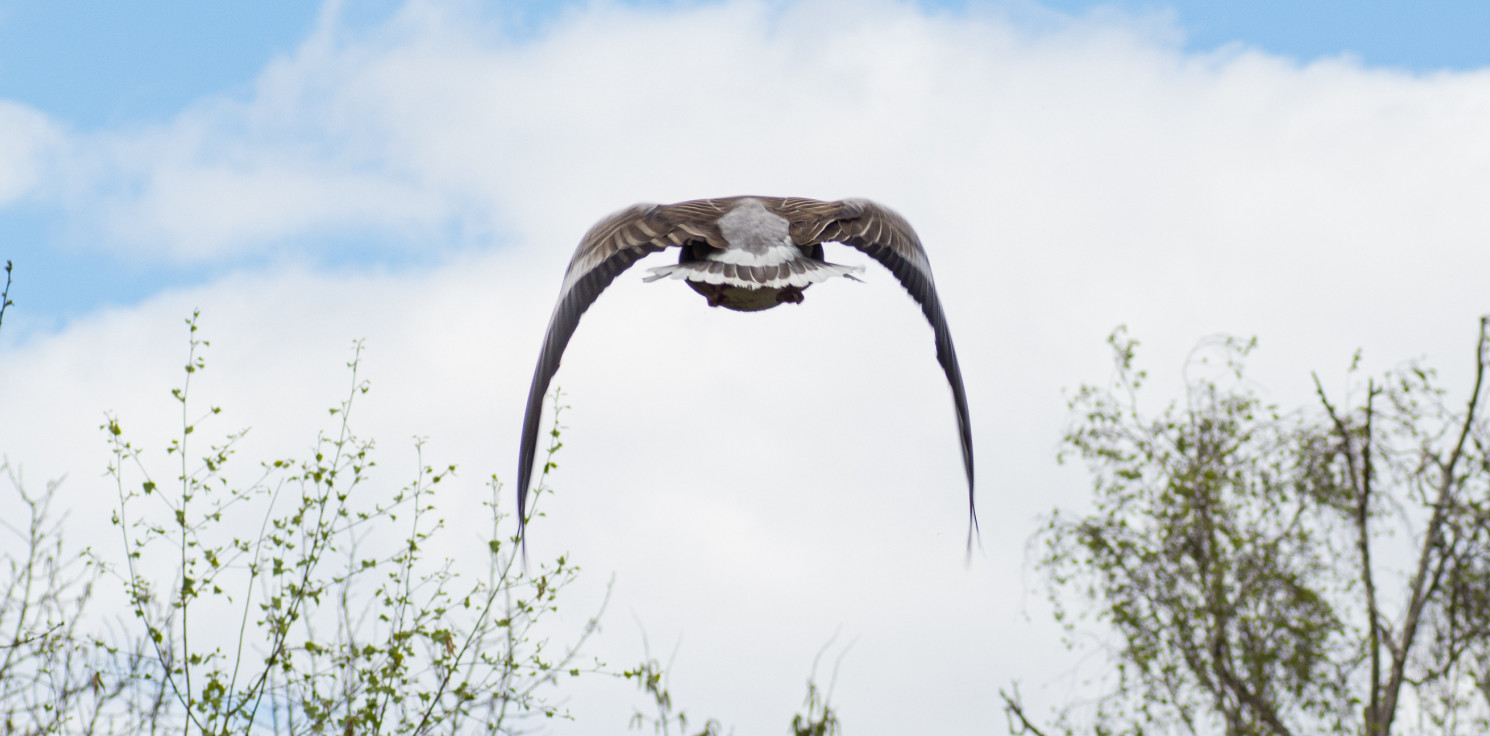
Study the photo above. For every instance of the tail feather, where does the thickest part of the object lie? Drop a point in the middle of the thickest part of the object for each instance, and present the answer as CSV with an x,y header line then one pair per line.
x,y
799,272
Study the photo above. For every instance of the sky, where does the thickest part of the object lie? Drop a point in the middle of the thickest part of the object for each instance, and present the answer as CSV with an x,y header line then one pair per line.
x,y
417,174
123,68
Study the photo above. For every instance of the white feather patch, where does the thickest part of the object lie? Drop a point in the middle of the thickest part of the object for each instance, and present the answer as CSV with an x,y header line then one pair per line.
x,y
775,255
813,273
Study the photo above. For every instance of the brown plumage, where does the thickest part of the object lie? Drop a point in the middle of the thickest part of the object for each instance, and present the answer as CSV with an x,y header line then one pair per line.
x,y
747,254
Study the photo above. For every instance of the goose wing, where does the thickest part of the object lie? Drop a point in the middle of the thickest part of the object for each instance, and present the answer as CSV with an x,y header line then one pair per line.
x,y
886,237
609,248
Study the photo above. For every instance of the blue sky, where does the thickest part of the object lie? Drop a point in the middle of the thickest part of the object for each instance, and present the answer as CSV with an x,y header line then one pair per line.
x,y
117,67
122,63
1417,36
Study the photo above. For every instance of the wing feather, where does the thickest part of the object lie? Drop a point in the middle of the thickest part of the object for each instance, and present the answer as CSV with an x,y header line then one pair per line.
x,y
886,237
609,248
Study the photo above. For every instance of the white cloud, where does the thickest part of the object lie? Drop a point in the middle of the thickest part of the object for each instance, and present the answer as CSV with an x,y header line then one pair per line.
x,y
27,140
758,481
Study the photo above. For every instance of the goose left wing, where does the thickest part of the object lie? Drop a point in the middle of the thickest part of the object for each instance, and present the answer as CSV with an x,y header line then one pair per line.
x,y
609,248
886,237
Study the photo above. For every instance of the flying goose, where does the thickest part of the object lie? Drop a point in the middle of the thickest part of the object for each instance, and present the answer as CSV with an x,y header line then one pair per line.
x,y
745,254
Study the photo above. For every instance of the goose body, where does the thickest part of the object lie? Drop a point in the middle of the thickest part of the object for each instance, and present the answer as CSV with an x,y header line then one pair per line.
x,y
758,268
747,254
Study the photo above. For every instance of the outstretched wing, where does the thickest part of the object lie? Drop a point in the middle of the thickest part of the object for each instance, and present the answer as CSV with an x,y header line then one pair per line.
x,y
610,247
889,239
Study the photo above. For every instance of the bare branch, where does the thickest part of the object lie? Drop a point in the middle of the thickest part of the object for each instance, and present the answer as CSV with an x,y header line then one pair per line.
x,y
1418,598
1014,711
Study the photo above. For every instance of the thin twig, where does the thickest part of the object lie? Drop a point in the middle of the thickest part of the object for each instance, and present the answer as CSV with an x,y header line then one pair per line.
x,y
1015,710
5,295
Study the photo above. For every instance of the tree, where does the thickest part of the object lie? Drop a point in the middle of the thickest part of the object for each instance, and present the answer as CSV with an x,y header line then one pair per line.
x,y
1260,572
57,675
336,621
293,598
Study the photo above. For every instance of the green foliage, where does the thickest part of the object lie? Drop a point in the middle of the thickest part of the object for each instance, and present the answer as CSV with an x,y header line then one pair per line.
x,y
1229,552
325,615
56,676
819,720
651,679
296,596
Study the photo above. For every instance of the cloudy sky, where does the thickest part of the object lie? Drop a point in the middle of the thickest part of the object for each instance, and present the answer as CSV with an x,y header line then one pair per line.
x,y
417,174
